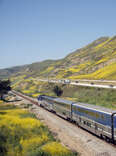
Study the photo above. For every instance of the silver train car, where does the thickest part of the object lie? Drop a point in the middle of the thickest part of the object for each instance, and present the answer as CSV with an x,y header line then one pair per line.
x,y
98,120
56,105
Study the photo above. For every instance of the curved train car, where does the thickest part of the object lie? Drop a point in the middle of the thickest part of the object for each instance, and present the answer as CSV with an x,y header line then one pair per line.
x,y
98,120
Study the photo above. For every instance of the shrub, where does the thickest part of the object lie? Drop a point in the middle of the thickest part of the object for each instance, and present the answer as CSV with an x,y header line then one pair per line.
x,y
32,144
55,149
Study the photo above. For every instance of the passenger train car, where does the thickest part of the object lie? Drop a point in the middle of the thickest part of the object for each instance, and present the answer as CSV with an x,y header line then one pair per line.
x,y
98,120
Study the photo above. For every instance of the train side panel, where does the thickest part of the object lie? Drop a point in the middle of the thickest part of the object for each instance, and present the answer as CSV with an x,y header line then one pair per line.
x,y
47,103
62,108
114,127
97,122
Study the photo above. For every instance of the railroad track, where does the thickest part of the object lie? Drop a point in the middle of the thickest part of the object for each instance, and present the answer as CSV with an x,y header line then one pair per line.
x,y
25,97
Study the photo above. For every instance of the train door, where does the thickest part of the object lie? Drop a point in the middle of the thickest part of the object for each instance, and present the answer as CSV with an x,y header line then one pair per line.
x,y
96,128
114,127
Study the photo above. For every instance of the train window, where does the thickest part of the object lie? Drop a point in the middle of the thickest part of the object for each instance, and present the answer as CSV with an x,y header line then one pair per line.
x,y
88,124
49,101
84,122
75,109
63,104
89,112
102,116
96,127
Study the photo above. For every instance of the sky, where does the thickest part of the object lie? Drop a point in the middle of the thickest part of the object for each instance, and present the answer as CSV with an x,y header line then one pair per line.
x,y
36,30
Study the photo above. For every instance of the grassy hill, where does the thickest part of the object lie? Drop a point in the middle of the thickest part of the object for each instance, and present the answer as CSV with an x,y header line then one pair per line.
x,y
94,61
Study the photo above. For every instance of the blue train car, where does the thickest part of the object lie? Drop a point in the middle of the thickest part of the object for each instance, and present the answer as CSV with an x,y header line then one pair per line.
x,y
96,119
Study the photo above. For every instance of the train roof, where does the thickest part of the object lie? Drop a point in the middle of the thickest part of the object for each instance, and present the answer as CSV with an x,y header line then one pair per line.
x,y
48,97
94,107
58,99
63,101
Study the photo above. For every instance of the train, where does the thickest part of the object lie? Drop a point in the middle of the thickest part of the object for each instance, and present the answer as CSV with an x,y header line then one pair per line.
x,y
95,119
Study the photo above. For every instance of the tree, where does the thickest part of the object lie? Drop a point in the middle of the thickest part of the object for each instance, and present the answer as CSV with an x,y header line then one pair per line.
x,y
57,90
4,88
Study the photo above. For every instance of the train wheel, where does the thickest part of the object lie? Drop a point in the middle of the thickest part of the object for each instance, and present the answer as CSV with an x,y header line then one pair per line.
x,y
107,139
101,136
67,119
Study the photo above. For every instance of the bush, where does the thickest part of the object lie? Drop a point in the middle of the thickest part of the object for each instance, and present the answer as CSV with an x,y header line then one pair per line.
x,y
57,90
55,149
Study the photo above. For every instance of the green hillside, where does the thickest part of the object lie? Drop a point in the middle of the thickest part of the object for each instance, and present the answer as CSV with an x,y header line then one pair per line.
x,y
94,61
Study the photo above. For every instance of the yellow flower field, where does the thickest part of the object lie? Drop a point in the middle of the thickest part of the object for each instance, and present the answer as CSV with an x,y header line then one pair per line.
x,y
27,136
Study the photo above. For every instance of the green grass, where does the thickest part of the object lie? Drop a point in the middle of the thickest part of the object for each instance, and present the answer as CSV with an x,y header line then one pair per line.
x,y
90,95
27,115
8,106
